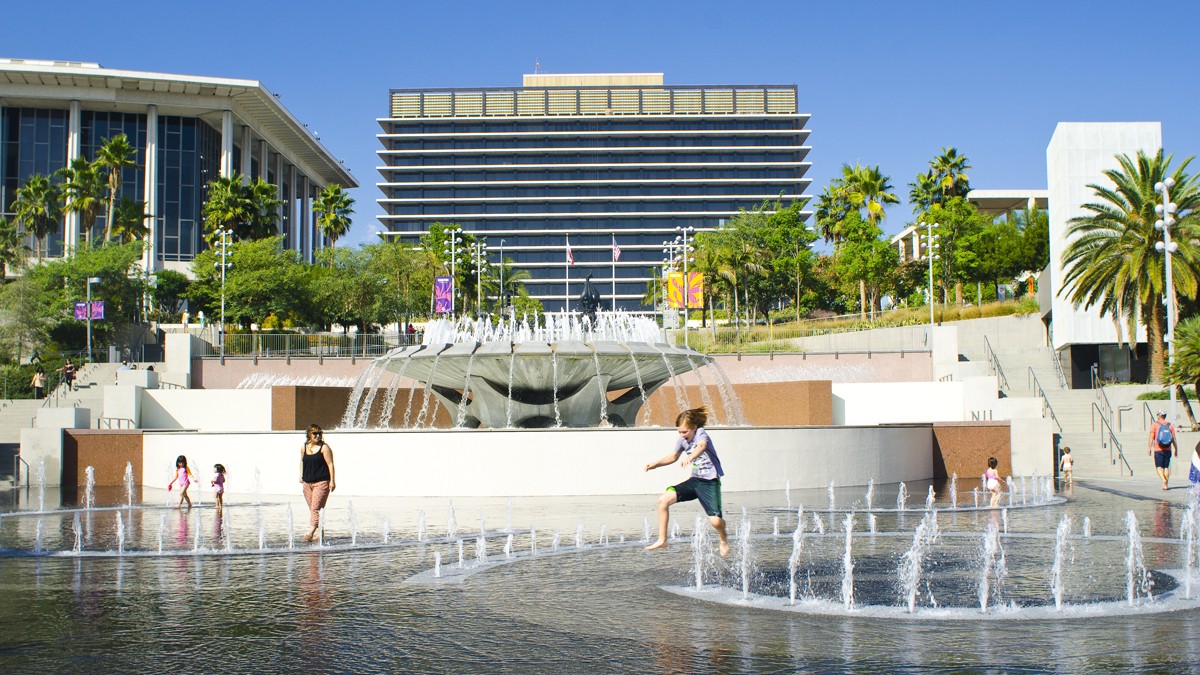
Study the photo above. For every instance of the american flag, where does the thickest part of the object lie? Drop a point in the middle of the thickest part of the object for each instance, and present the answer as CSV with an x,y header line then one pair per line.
x,y
616,250
570,254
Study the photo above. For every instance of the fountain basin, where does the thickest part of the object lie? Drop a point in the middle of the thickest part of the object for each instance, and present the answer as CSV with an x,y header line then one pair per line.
x,y
543,384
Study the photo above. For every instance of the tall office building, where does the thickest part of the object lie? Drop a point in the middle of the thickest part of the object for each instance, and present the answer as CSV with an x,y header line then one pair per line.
x,y
185,130
586,161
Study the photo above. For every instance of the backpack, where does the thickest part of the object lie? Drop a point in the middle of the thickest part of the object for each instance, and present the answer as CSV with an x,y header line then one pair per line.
x,y
1163,436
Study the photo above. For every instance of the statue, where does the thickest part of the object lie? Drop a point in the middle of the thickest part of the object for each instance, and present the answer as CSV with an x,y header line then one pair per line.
x,y
589,300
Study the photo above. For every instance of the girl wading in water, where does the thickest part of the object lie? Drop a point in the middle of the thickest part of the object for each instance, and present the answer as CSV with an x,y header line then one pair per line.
x,y
705,483
317,475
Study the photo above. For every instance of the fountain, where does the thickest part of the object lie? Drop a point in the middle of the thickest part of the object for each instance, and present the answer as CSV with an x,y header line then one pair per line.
x,y
573,372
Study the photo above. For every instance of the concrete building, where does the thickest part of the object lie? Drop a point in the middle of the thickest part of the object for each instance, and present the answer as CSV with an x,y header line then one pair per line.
x,y
187,130
1077,156
596,160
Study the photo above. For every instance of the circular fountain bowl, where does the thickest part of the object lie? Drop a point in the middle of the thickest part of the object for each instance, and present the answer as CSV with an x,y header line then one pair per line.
x,y
540,384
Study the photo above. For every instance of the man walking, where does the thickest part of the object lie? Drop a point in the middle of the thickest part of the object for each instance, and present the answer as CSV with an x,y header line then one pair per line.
x,y
1162,442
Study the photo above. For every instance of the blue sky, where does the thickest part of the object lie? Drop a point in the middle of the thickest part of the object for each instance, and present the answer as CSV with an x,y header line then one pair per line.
x,y
887,83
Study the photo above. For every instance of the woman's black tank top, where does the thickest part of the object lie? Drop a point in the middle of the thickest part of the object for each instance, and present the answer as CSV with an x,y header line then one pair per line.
x,y
315,468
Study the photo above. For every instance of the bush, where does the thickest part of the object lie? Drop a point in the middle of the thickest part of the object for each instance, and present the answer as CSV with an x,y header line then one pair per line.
x,y
1165,394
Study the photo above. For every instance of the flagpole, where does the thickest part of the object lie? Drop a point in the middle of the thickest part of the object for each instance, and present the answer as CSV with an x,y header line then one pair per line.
x,y
614,273
567,282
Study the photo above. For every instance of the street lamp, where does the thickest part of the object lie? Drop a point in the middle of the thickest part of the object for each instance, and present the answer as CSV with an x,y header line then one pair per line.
x,y
686,253
930,253
453,241
481,263
1166,212
90,281
669,253
503,296
223,265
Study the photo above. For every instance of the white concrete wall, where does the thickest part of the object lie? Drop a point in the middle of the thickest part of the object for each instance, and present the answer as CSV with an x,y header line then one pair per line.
x,y
211,410
180,348
1078,154
897,402
121,403
1032,443
545,462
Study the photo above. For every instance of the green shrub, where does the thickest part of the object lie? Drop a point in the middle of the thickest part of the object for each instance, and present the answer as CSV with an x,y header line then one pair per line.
x,y
1165,394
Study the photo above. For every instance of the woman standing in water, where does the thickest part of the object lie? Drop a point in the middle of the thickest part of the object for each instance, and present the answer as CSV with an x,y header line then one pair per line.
x,y
317,475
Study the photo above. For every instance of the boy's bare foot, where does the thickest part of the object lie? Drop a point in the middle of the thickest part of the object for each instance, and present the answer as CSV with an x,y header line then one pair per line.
x,y
656,545
723,549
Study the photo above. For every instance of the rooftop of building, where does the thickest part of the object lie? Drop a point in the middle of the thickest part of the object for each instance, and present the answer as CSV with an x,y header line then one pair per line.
x,y
24,82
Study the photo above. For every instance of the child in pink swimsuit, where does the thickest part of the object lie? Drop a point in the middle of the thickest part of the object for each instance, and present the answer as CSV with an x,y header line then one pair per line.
x,y
218,485
183,478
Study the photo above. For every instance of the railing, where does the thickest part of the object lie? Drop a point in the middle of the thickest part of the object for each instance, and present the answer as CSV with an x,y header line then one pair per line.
x,y
115,423
1037,389
17,462
994,362
299,345
1110,440
1100,394
1147,416
163,384
1062,377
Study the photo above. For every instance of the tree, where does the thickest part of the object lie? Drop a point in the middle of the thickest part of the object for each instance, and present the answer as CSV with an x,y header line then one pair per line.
x,y
250,212
264,279
129,220
170,290
114,156
1186,369
13,252
334,208
869,191
789,240
832,207
83,190
956,221
409,273
347,290
25,317
950,172
37,208
924,192
1111,262
866,259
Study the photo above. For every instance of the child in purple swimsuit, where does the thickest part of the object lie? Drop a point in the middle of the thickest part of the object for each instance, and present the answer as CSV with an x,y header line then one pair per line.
x,y
183,478
218,485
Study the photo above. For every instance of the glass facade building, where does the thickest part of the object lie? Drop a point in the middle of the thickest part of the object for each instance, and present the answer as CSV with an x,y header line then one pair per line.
x,y
587,160
185,131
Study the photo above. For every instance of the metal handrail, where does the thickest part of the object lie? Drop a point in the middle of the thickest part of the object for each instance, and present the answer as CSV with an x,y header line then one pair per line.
x,y
1111,442
1062,377
17,462
1037,389
994,362
120,423
1104,396
1147,414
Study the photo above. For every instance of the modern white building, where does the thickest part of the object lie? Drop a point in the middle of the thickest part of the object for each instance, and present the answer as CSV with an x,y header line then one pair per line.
x,y
187,130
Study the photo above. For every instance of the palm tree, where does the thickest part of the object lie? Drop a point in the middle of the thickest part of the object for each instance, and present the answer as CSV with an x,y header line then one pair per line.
x,y
13,252
129,220
1111,262
114,157
264,203
832,206
335,207
83,188
950,170
867,189
227,208
1186,368
37,208
924,192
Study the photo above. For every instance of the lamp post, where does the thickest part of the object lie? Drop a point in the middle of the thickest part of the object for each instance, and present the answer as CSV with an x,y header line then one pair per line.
x,y
669,252
481,263
90,281
685,250
929,253
1166,212
223,265
503,295
453,240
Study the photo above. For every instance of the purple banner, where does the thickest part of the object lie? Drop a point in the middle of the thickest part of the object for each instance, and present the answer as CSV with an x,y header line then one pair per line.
x,y
442,288
81,313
